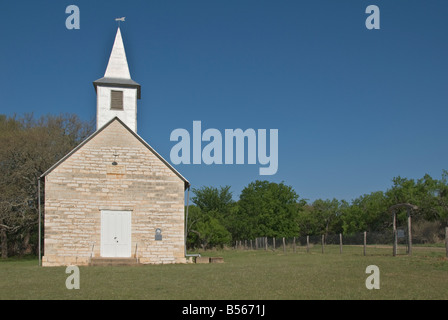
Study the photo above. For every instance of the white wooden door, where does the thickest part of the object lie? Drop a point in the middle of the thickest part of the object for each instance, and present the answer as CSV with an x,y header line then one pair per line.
x,y
115,233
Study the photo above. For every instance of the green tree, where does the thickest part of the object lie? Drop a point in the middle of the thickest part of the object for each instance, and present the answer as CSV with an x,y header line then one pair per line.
x,y
428,194
430,198
210,217
366,213
213,199
267,209
443,198
215,202
204,230
307,221
326,213
211,233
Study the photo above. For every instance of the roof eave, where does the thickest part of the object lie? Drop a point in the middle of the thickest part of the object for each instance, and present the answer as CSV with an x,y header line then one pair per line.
x,y
118,82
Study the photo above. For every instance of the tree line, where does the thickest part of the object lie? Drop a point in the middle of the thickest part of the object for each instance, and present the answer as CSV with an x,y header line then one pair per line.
x,y
269,209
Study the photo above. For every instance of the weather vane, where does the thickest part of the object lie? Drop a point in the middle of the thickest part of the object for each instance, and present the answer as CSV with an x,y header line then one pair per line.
x,y
119,20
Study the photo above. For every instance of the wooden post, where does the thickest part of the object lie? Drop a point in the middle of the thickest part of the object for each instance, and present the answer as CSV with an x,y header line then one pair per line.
x,y
409,207
294,244
409,233
340,243
323,238
446,241
394,253
273,241
365,241
284,245
307,243
265,243
251,248
39,228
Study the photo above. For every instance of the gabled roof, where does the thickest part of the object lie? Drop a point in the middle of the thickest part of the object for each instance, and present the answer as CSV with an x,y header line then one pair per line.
x,y
186,183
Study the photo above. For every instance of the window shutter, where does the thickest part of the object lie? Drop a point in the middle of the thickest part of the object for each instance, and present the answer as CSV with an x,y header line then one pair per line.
x,y
116,100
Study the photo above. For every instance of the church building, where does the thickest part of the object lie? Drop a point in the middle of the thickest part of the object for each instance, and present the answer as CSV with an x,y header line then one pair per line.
x,y
113,197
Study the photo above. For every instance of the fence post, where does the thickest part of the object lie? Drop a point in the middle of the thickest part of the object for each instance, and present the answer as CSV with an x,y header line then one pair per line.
x,y
307,243
409,233
294,245
284,246
365,241
265,243
323,238
394,252
446,241
273,240
340,243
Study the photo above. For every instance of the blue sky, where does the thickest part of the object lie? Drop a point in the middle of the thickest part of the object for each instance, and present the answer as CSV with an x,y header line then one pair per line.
x,y
353,107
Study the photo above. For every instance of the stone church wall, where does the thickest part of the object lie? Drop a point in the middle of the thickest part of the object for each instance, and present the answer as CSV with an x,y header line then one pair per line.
x,y
86,182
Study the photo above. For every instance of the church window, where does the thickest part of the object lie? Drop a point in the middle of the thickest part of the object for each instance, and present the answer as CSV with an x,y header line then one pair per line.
x,y
116,100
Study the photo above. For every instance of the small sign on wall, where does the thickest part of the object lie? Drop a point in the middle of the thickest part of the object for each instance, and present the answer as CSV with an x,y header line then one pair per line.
x,y
158,234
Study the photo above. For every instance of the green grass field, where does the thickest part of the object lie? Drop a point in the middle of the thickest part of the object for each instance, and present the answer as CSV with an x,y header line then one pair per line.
x,y
244,275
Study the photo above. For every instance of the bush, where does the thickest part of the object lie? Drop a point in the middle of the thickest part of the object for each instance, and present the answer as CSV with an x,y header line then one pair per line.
x,y
427,232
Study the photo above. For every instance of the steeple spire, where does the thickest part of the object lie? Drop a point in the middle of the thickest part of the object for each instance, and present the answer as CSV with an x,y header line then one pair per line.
x,y
118,64
117,93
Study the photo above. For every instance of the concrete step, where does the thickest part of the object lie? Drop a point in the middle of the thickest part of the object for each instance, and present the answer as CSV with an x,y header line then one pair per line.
x,y
100,261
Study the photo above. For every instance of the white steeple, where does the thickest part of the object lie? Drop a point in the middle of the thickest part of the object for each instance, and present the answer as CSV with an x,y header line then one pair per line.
x,y
117,93
118,64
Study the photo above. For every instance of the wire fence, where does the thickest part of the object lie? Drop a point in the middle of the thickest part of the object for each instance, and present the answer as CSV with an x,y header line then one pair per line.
x,y
368,242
